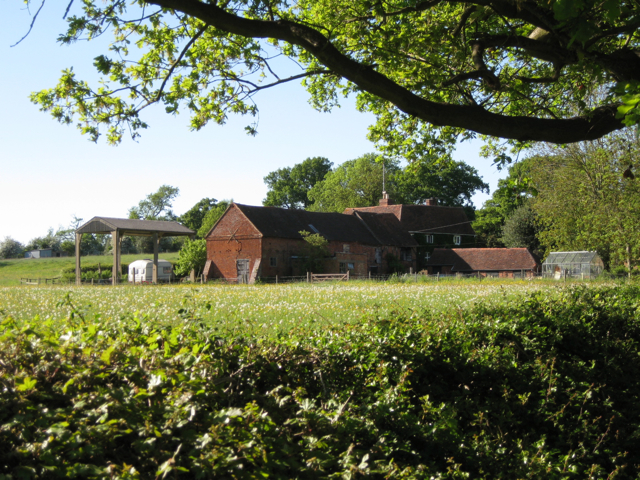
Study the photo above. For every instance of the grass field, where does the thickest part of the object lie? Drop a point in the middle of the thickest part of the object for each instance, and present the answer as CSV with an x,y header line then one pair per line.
x,y
11,271
261,308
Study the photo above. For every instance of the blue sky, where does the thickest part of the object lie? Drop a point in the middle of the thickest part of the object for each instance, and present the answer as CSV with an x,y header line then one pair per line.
x,y
50,172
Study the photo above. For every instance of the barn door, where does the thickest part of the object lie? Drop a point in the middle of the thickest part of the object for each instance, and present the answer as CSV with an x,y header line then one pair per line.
x,y
242,268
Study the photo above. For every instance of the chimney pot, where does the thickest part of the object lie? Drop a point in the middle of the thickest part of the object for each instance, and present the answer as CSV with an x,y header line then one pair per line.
x,y
385,200
431,202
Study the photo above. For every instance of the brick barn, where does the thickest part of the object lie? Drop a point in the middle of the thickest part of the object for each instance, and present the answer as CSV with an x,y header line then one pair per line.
x,y
249,242
431,225
486,262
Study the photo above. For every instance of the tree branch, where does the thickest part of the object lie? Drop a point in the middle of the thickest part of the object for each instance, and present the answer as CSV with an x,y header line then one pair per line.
x,y
596,123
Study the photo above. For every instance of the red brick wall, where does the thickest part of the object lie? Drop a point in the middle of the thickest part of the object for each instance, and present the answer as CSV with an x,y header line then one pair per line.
x,y
233,238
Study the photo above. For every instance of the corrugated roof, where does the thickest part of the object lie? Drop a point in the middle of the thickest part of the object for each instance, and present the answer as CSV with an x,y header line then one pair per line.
x,y
129,226
484,259
425,218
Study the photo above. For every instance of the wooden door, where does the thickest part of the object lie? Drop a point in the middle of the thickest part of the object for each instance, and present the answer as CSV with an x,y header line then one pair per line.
x,y
242,269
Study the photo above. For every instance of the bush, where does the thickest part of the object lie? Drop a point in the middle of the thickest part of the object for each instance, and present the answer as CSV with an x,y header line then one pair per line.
x,y
89,272
543,387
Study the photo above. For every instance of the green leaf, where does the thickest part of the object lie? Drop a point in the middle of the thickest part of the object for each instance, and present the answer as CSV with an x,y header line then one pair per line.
x,y
27,384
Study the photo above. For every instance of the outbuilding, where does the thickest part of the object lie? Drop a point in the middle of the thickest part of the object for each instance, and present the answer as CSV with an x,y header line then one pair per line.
x,y
141,271
572,264
484,262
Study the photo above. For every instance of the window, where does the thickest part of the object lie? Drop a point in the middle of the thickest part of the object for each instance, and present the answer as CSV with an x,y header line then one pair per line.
x,y
428,238
166,269
457,239
427,256
346,247
273,262
344,266
315,230
406,254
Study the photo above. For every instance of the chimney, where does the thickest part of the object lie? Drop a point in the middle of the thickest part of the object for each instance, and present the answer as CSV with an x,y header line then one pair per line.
x,y
385,201
431,202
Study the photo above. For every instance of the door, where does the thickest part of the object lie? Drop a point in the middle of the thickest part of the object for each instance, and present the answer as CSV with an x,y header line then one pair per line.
x,y
242,269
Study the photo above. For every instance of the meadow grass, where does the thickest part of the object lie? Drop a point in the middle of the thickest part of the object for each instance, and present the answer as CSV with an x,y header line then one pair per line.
x,y
11,271
264,309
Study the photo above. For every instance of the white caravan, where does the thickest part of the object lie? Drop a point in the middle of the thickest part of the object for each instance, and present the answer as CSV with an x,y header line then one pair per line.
x,y
141,271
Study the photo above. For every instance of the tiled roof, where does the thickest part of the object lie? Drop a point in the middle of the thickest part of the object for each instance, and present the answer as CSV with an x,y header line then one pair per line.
x,y
387,229
367,229
425,218
484,259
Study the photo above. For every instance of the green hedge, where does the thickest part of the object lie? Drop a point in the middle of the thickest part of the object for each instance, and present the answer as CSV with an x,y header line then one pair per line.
x,y
89,272
544,387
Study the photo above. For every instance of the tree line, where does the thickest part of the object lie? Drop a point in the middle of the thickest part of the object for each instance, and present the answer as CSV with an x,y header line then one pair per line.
x,y
581,196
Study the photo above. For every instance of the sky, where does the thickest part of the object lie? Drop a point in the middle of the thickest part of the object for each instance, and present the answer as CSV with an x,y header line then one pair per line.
x,y
50,173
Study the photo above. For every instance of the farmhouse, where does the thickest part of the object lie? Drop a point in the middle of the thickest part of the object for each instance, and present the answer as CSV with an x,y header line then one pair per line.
x,y
250,242
431,225
486,262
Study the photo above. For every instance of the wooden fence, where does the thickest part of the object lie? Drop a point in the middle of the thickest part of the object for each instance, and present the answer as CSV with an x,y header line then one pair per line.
x,y
327,277
38,281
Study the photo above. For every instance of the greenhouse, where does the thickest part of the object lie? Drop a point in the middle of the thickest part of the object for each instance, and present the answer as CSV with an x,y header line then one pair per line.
x,y
572,264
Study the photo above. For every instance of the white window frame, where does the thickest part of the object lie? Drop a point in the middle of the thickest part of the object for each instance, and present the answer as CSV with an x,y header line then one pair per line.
x,y
457,239
428,238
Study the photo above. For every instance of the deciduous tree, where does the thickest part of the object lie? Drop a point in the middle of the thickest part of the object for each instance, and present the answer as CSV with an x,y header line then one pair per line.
x,y
512,192
355,183
452,183
519,70
289,187
194,217
156,206
586,203
10,248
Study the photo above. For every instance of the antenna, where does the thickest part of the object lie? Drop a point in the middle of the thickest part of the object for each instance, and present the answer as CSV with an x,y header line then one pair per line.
x,y
383,177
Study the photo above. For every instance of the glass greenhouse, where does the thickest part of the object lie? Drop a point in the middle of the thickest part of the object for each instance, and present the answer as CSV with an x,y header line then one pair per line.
x,y
572,264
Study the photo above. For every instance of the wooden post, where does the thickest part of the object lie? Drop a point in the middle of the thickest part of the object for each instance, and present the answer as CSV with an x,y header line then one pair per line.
x,y
276,279
78,269
154,278
348,273
115,272
192,274
308,277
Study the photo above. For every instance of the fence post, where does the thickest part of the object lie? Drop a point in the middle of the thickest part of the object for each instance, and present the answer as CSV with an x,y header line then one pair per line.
x,y
437,276
276,279
348,272
308,277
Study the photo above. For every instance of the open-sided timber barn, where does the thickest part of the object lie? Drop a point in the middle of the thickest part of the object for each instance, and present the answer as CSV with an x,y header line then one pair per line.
x,y
250,242
119,227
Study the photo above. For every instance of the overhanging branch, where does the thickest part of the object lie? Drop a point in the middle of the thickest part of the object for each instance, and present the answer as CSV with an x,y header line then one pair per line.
x,y
596,123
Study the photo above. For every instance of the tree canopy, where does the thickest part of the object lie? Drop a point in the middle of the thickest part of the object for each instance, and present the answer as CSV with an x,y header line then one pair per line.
x,y
355,183
521,70
157,205
512,192
289,186
194,217
585,199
